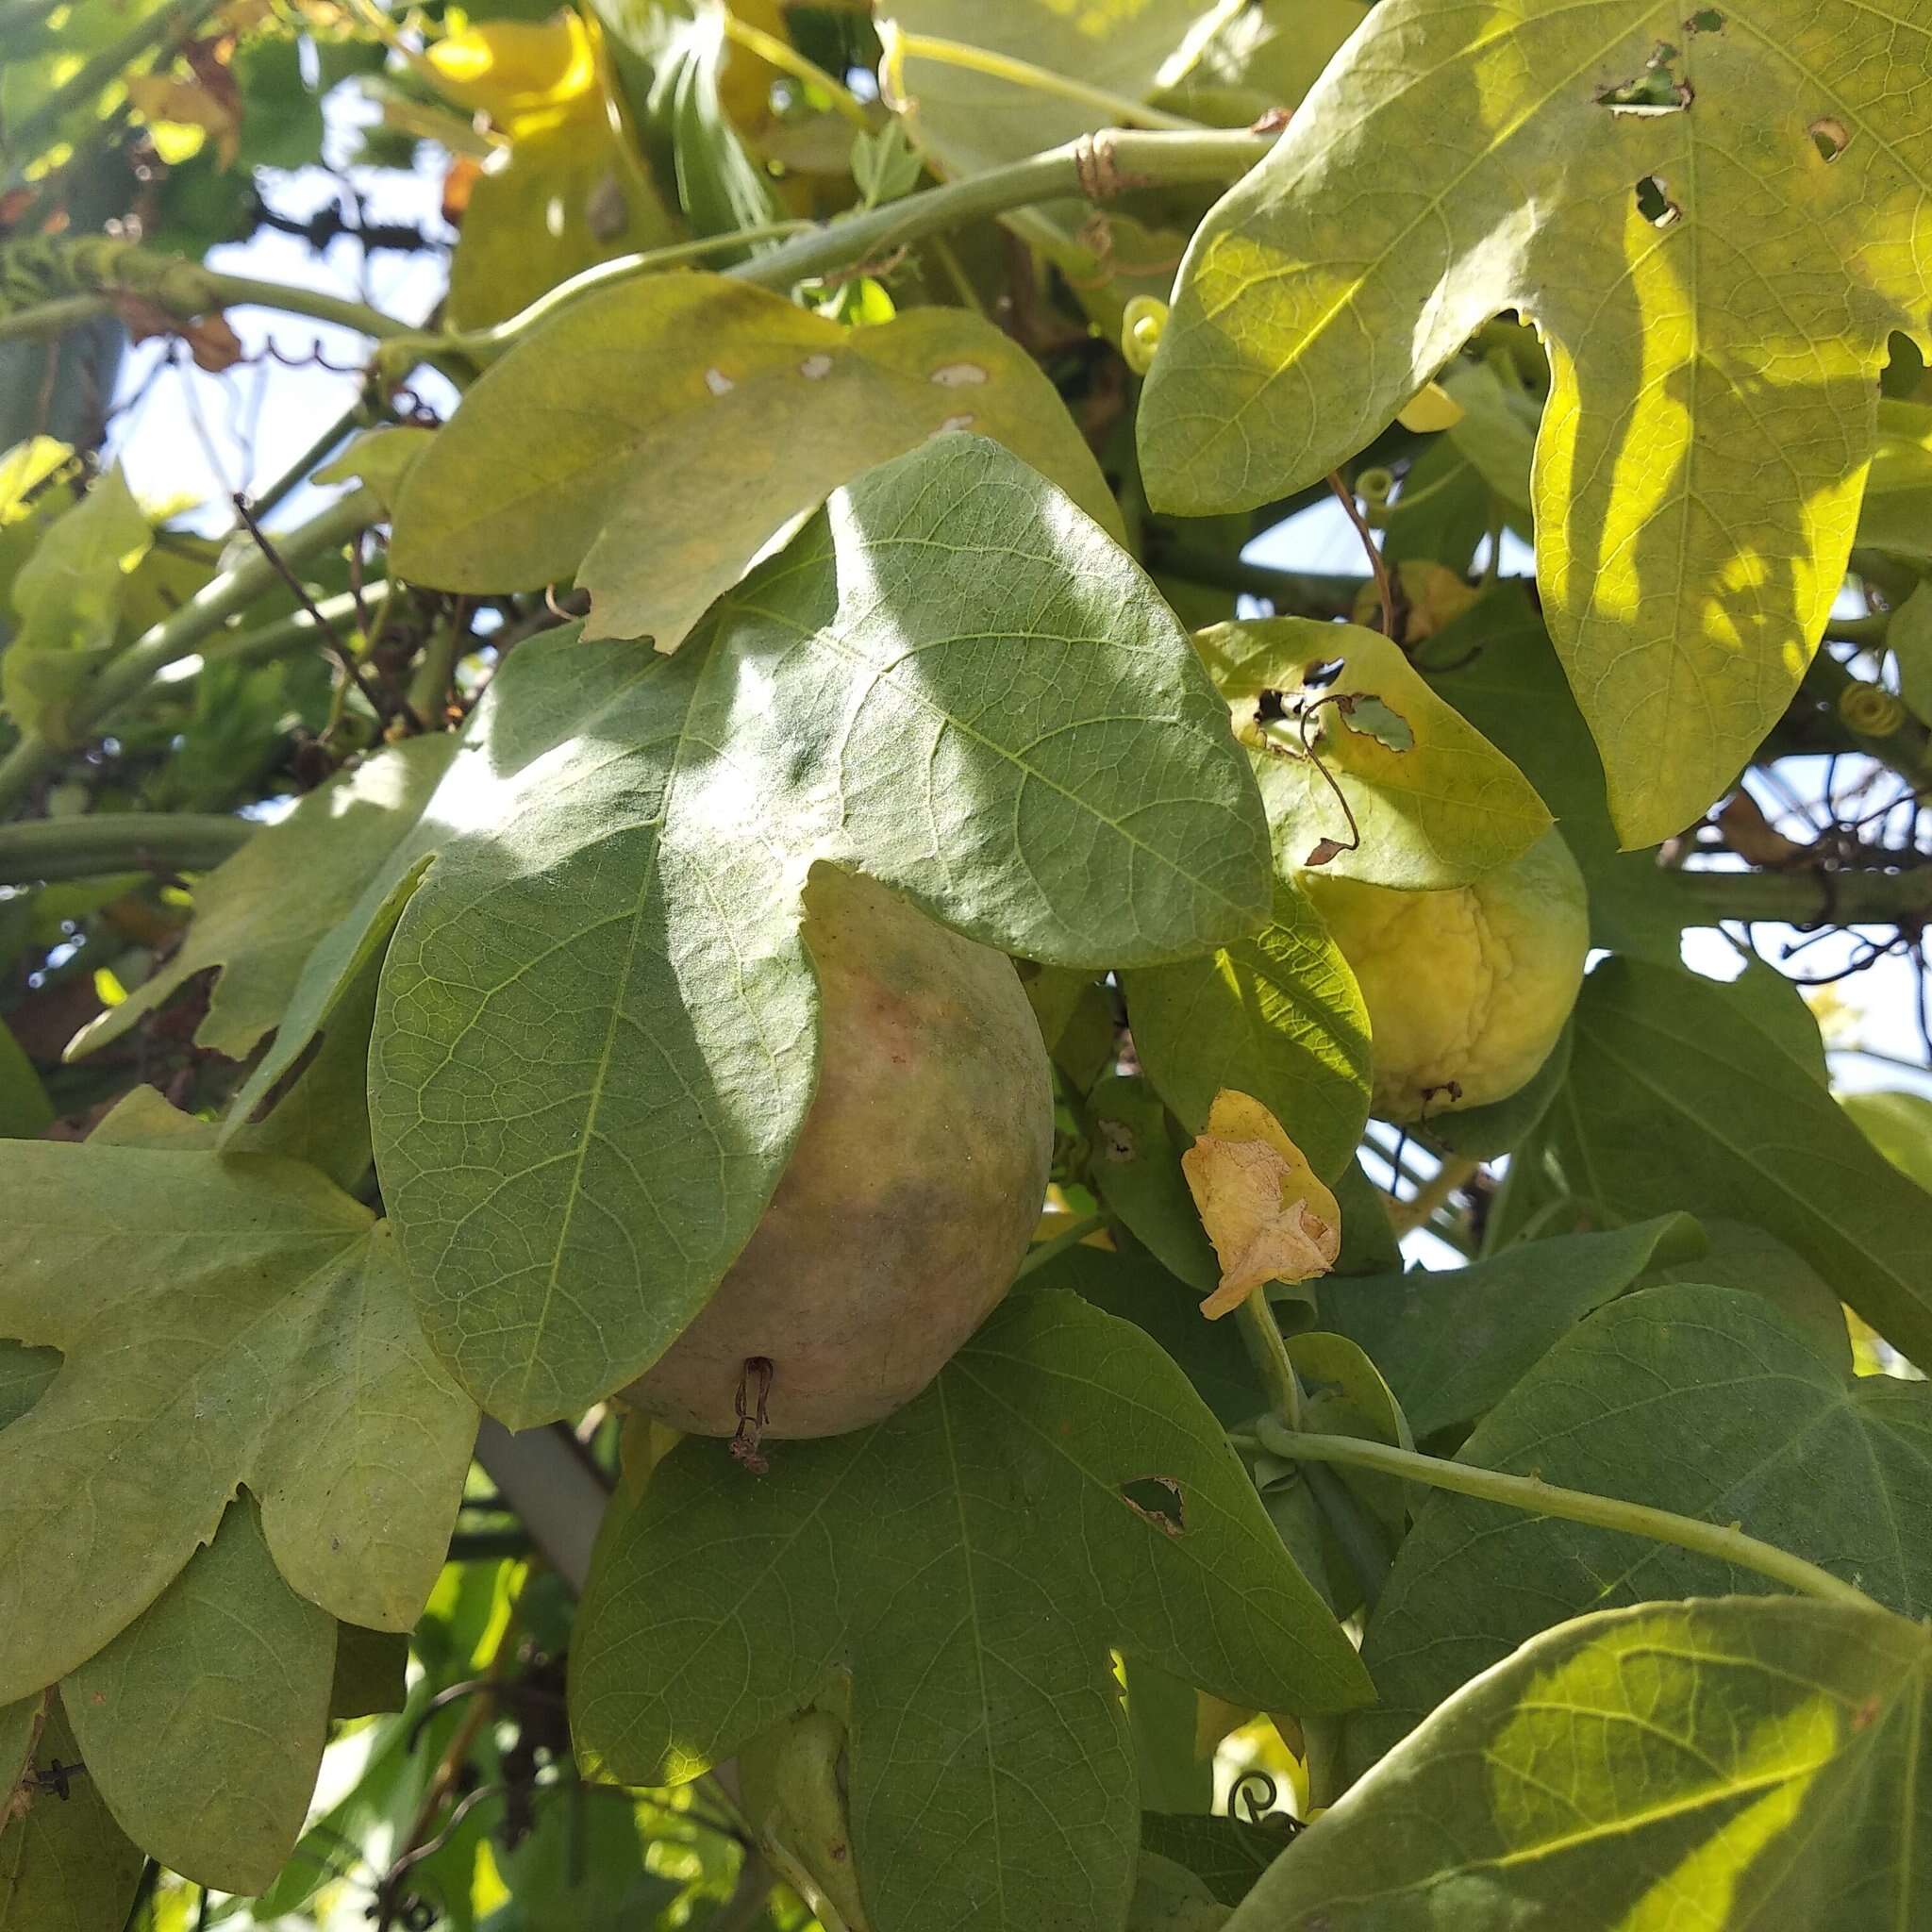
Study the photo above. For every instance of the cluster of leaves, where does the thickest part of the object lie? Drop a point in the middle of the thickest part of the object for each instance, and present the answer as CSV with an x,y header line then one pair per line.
x,y
444,1102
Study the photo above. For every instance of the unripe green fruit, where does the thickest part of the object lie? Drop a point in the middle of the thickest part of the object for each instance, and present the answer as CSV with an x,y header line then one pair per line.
x,y
910,1199
1467,990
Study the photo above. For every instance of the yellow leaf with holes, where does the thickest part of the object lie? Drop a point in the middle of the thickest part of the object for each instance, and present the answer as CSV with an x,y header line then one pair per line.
x,y
1716,218
524,75
1269,1217
653,438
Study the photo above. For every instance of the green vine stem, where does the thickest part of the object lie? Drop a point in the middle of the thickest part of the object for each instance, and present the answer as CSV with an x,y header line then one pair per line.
x,y
183,632
1536,1497
1262,1334
37,850
1805,897
1093,168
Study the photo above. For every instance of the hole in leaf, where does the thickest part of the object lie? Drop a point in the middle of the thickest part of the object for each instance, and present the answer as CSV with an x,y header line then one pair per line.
x,y
1829,137
1658,89
1155,1499
1655,205
1116,1140
1320,677
1707,19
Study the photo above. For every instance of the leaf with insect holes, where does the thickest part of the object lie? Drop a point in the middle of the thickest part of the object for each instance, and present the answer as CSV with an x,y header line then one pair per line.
x,y
963,1567
220,1321
1266,1212
1433,803
1716,219
659,435
598,1032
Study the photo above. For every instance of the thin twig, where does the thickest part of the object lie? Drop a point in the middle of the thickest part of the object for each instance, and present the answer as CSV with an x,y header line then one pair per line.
x,y
352,669
1385,584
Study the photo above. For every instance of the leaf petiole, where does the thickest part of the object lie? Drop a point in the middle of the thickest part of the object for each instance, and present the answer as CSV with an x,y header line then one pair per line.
x,y
1539,1498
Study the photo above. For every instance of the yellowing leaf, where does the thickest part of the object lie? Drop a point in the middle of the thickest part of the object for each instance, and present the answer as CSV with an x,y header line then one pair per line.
x,y
1432,408
1429,801
521,73
1267,1216
1716,219
658,435
182,114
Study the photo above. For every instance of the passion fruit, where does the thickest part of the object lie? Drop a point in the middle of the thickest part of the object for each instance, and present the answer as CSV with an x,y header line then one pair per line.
x,y
1467,990
910,1196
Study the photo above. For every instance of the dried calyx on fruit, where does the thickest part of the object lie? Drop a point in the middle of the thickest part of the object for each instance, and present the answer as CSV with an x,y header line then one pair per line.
x,y
1467,990
910,1197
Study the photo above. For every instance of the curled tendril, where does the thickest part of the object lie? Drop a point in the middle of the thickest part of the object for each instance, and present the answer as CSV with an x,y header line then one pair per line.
x,y
1255,1790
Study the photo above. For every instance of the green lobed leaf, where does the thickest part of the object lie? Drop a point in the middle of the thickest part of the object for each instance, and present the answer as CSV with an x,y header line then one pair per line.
x,y
260,914
1436,813
969,1562
202,1721
220,1321
597,1030
1276,1015
1723,1765
65,1867
660,434
1458,161
1452,1341
1704,1401
67,601
1678,1100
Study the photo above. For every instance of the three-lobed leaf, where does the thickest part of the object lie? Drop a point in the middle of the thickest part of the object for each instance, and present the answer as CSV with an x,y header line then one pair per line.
x,y
219,1322
659,435
967,1563
1710,217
